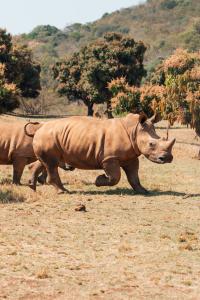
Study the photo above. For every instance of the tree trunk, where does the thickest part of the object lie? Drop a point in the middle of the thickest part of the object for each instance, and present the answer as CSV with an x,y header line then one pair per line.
x,y
90,109
167,134
109,110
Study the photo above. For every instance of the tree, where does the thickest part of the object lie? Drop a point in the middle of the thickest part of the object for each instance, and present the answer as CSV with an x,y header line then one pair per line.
x,y
85,75
19,74
42,32
125,98
180,74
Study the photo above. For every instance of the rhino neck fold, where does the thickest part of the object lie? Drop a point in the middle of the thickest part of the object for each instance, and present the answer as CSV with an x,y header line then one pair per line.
x,y
131,131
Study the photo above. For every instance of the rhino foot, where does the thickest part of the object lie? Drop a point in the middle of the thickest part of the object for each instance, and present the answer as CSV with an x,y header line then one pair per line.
x,y
61,192
41,179
101,180
32,186
17,183
141,190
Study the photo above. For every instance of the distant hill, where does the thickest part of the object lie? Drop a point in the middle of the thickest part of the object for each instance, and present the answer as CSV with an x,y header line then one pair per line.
x,y
163,25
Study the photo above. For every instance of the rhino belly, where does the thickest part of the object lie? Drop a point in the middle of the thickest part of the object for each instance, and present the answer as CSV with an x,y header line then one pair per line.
x,y
10,152
83,157
82,147
81,161
5,157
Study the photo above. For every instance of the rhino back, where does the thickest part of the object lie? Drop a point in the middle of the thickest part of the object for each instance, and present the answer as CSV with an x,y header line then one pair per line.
x,y
13,142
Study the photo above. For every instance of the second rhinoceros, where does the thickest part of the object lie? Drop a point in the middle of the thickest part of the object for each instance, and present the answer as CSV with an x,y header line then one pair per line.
x,y
16,147
93,144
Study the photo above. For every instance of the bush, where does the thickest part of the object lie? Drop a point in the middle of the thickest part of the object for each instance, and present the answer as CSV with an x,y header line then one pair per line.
x,y
42,31
148,98
169,4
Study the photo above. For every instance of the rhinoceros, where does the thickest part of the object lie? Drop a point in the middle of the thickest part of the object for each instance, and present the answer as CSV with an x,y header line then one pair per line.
x,y
16,147
93,144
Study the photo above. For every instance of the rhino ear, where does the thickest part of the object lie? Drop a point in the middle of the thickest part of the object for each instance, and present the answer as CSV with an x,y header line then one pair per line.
x,y
155,118
31,127
142,118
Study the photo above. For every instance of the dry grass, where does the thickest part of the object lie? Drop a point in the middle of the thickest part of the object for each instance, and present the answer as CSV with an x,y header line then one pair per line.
x,y
125,246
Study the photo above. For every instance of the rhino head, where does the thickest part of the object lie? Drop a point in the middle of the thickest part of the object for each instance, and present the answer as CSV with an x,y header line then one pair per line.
x,y
147,142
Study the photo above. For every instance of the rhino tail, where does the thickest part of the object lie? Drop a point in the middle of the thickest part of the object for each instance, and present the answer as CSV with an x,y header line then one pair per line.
x,y
31,127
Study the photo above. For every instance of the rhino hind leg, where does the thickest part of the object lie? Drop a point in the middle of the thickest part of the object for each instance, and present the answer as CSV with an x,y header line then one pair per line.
x,y
18,168
51,164
36,168
42,179
54,179
112,176
131,170
32,168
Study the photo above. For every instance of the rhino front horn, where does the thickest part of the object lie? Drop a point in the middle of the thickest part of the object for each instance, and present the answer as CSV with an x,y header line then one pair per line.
x,y
171,143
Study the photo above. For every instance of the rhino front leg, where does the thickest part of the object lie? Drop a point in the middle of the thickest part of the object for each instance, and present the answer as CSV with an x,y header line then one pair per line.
x,y
131,170
18,168
51,163
112,176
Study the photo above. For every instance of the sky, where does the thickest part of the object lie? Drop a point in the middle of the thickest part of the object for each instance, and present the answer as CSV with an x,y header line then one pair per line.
x,y
21,16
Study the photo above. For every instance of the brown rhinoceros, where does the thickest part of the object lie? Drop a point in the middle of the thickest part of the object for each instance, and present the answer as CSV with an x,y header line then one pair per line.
x,y
16,147
90,143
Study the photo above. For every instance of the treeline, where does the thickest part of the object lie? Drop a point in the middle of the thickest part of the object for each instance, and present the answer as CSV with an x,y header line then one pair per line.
x,y
163,25
111,70
108,71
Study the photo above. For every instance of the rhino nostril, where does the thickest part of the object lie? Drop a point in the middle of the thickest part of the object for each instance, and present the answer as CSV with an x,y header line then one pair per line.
x,y
161,158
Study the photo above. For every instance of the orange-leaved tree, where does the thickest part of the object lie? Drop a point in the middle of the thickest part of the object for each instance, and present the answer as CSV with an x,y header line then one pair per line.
x,y
180,75
148,98
174,91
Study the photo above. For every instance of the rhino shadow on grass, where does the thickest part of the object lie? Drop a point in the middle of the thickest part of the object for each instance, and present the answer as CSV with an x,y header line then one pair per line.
x,y
130,192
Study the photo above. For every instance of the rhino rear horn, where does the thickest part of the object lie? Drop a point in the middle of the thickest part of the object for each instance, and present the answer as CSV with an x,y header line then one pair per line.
x,y
155,118
142,118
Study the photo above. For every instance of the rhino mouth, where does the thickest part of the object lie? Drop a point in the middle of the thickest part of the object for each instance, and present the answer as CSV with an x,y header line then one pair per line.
x,y
164,159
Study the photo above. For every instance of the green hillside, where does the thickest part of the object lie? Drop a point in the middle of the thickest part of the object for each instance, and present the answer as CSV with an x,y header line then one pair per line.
x,y
163,25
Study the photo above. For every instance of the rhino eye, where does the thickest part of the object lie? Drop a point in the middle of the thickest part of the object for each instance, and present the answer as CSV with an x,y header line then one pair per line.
x,y
152,144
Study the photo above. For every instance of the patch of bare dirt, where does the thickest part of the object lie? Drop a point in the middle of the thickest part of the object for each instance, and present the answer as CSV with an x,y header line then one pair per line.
x,y
126,246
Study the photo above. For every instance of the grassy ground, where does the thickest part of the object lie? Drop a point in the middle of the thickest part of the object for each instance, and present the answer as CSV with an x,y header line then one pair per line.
x,y
125,246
